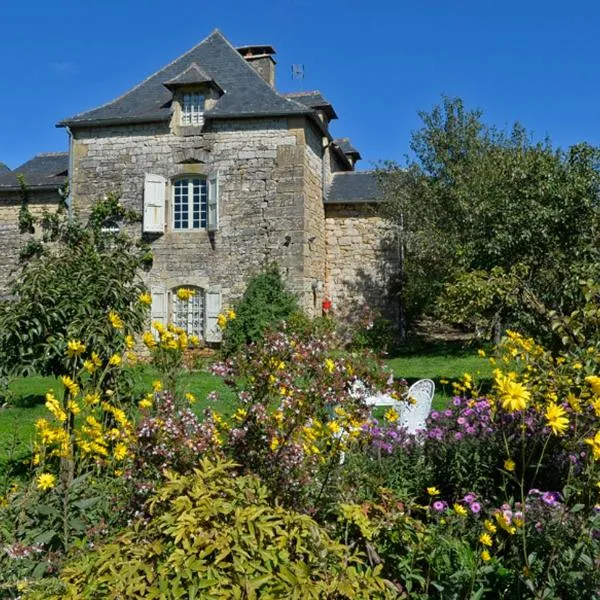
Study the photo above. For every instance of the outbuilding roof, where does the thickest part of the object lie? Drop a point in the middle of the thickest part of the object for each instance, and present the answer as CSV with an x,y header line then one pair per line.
x,y
353,187
43,171
246,93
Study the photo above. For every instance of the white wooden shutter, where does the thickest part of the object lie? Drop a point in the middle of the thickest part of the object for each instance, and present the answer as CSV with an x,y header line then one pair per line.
x,y
213,202
154,203
159,309
212,331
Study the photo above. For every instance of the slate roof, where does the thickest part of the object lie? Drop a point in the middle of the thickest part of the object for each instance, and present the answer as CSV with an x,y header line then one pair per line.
x,y
353,187
347,148
246,93
43,171
314,99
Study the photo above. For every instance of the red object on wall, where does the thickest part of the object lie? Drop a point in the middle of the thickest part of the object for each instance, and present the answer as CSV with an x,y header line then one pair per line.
x,y
326,305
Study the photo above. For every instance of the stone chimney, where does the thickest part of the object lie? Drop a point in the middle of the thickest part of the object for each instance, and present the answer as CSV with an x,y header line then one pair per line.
x,y
262,61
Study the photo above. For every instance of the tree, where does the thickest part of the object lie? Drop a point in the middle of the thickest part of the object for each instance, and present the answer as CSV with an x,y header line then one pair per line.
x,y
477,205
72,276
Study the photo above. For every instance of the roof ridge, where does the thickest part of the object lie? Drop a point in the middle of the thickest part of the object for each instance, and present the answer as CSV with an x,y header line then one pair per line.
x,y
50,154
141,83
310,93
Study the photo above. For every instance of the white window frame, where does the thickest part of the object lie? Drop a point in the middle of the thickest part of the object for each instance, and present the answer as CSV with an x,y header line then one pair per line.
x,y
192,108
196,304
184,196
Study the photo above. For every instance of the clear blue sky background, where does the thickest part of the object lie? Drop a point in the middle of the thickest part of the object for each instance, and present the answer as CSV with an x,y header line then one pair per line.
x,y
379,62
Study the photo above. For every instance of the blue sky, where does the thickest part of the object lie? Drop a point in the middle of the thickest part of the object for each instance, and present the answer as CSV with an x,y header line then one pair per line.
x,y
378,62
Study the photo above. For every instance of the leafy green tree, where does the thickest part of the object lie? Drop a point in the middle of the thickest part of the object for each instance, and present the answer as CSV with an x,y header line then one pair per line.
x,y
72,275
477,205
265,303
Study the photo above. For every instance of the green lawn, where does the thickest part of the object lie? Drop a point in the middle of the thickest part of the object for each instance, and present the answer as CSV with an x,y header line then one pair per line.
x,y
17,421
27,405
441,361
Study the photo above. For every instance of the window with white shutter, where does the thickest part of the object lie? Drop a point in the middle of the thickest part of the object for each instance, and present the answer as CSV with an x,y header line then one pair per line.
x,y
154,203
158,309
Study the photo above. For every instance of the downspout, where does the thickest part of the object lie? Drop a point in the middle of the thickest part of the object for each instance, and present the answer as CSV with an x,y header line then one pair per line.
x,y
69,198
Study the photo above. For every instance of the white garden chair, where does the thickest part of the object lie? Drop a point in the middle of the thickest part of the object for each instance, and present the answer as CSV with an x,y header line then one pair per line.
x,y
414,411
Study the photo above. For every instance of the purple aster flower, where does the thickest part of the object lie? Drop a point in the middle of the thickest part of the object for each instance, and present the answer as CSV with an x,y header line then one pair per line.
x,y
447,413
436,433
458,436
470,429
439,505
461,420
470,497
549,498
435,415
457,401
475,507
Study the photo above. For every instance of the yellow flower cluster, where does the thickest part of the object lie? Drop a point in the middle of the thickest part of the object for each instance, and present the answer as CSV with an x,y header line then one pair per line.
x,y
70,385
594,443
45,481
514,396
225,317
169,338
145,298
115,320
556,418
185,294
75,348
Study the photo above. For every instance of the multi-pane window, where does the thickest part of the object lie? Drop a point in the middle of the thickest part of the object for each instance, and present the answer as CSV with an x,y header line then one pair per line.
x,y
192,109
190,203
189,314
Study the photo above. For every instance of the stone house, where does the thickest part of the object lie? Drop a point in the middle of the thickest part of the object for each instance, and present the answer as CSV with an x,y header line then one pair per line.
x,y
229,174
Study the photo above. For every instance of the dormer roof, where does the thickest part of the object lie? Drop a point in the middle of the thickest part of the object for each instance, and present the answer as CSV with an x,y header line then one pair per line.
x,y
192,75
246,94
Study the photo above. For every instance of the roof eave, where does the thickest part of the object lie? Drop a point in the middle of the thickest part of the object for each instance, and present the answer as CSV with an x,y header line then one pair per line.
x,y
108,122
40,186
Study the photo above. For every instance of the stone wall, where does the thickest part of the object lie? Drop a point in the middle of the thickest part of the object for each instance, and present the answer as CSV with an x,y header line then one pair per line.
x,y
262,168
11,241
314,221
362,259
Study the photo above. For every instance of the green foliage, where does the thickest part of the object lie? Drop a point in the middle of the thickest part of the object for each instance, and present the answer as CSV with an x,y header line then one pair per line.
x,y
33,524
265,303
214,535
69,282
475,200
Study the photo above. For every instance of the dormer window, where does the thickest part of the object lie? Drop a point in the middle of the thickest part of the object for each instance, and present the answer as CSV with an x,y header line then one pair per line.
x,y
192,109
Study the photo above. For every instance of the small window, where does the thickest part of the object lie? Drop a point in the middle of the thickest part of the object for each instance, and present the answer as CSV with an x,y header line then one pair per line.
x,y
189,314
192,109
190,203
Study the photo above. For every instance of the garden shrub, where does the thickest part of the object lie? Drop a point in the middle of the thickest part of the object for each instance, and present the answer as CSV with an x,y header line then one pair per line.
x,y
265,303
298,395
212,534
67,285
